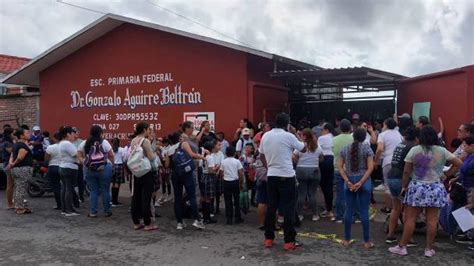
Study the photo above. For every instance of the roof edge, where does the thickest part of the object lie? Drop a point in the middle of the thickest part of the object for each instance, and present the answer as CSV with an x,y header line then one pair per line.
x,y
155,26
437,74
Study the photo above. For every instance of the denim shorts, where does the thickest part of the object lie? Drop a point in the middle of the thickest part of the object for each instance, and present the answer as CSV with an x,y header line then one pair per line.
x,y
262,195
395,187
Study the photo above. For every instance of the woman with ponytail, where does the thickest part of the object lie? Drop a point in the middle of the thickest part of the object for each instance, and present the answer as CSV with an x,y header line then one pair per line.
x,y
307,174
355,166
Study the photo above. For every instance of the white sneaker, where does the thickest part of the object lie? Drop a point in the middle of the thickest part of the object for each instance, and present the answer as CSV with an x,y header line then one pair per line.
x,y
168,198
402,251
315,218
71,214
324,214
180,226
199,224
157,203
380,187
280,219
301,217
429,253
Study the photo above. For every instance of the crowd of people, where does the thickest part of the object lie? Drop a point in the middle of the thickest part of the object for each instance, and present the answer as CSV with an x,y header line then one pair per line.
x,y
276,168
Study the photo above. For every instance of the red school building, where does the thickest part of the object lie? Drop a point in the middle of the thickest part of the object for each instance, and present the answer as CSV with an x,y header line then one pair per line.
x,y
118,71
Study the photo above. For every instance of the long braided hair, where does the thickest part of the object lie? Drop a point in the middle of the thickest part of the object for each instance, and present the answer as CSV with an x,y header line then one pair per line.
x,y
359,136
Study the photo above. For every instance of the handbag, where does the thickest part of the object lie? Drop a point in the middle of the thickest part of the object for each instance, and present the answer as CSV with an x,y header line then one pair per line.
x,y
138,163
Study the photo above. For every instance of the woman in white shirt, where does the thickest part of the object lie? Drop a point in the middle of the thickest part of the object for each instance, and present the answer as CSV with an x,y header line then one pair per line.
x,y
68,170
307,173
53,159
327,167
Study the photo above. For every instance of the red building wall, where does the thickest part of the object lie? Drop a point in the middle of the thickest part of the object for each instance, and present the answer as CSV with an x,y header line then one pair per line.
x,y
450,94
267,96
219,74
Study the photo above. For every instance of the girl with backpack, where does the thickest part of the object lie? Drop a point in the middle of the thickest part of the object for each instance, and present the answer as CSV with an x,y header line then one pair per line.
x,y
140,163
93,154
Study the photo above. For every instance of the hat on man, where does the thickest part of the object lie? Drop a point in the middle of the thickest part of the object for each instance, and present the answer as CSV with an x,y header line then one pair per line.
x,y
36,128
405,115
245,132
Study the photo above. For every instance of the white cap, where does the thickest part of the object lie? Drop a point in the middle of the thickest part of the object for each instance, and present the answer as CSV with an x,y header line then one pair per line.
x,y
36,128
245,131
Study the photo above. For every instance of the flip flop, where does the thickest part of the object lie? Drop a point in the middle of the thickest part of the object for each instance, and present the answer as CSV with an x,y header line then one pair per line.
x,y
139,227
154,227
346,243
369,246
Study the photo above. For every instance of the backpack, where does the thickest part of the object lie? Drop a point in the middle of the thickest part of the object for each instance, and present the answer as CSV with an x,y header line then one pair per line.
x,y
182,162
137,163
96,159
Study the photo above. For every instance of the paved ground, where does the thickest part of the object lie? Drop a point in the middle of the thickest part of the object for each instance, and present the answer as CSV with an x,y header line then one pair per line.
x,y
46,237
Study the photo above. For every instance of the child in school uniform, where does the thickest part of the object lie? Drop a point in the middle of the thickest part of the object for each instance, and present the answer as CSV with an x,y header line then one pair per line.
x,y
248,159
233,181
209,179
218,158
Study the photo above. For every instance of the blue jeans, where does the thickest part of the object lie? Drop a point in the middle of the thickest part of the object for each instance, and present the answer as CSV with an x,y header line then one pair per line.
x,y
99,182
395,187
361,198
340,204
340,199
187,181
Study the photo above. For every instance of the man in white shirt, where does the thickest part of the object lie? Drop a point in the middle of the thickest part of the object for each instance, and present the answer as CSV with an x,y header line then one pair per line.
x,y
276,150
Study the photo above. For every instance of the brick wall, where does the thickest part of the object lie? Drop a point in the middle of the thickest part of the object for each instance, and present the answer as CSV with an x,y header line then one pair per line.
x,y
19,109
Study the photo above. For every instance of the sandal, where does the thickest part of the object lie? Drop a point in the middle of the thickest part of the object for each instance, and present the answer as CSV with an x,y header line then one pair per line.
x,y
138,227
346,243
24,211
151,228
369,245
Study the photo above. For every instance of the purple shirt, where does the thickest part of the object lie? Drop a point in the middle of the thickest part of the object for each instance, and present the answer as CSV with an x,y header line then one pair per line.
x,y
467,172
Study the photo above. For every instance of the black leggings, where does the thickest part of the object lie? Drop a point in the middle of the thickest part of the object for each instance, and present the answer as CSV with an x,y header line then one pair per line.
x,y
327,178
143,188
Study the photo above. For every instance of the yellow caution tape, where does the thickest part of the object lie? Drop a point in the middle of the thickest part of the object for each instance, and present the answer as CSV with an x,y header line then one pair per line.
x,y
314,235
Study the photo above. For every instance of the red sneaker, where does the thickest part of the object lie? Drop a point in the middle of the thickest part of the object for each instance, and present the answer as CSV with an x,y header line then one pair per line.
x,y
289,246
268,243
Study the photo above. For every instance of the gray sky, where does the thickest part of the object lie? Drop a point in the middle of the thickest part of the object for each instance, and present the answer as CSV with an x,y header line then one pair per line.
x,y
408,37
